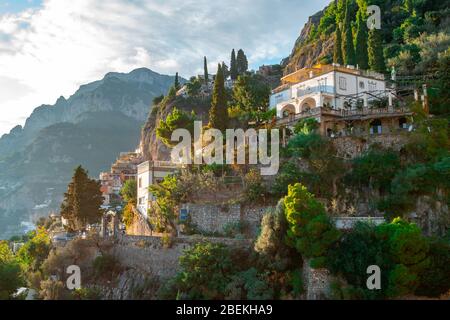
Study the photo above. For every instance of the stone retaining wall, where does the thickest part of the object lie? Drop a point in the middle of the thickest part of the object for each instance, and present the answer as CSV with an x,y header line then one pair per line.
x,y
139,226
214,218
345,223
316,282
153,256
352,146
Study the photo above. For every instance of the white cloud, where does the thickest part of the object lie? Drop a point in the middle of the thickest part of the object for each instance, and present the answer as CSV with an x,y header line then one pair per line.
x,y
48,52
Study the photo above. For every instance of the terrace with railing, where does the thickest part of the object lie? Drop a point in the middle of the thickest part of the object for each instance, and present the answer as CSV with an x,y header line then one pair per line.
x,y
344,114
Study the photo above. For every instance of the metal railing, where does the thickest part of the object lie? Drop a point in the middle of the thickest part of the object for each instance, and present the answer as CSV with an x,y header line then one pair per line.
x,y
341,113
165,164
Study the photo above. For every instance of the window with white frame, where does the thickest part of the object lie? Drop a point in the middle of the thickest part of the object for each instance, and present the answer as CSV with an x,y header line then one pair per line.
x,y
342,83
372,86
322,84
361,85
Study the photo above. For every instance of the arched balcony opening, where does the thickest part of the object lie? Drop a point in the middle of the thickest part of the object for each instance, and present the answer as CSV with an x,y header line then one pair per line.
x,y
307,104
288,111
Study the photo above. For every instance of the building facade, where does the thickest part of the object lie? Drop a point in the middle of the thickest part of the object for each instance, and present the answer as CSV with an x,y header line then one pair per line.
x,y
149,173
333,86
343,100
123,169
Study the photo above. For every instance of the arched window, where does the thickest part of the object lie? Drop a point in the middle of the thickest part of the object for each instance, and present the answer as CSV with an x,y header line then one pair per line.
x,y
288,110
375,127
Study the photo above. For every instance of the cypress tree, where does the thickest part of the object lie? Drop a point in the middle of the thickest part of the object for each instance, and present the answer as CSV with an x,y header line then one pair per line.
x,y
205,68
225,71
375,51
233,66
241,62
337,56
362,59
82,201
408,5
348,51
218,114
177,82
340,11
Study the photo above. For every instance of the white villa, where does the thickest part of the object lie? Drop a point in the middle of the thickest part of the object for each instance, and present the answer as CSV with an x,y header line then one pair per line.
x,y
327,85
149,173
339,98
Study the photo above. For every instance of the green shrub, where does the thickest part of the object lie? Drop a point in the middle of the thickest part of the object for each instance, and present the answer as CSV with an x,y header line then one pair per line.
x,y
297,282
87,294
205,272
310,230
254,186
435,279
289,174
233,229
105,265
249,284
167,240
375,169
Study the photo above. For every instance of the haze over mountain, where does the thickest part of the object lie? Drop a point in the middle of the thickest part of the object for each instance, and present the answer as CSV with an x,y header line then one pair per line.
x,y
90,128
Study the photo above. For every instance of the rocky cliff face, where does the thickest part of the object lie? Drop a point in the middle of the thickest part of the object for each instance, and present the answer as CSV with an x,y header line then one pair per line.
x,y
151,146
90,128
307,54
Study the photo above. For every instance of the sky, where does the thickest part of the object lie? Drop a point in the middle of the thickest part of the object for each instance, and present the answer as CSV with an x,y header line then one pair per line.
x,y
48,48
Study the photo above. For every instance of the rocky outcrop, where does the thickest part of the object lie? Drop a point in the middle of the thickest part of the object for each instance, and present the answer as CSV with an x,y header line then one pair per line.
x,y
307,54
151,146
130,285
431,215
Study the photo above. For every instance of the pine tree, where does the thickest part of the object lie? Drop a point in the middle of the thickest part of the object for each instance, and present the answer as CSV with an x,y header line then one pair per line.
x,y
241,62
218,114
375,51
205,68
348,51
177,82
362,59
337,56
82,201
233,66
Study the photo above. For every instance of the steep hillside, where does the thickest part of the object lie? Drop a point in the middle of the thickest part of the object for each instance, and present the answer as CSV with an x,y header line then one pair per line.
x,y
306,54
90,128
151,146
413,34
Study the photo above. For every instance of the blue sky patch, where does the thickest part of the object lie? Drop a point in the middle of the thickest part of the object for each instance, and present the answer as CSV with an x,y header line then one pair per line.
x,y
15,6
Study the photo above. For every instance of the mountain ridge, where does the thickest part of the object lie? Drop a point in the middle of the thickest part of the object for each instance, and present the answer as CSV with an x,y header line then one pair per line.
x,y
91,127
91,97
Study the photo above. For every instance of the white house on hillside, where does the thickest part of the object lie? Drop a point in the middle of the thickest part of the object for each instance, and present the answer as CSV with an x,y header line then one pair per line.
x,y
326,85
149,173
